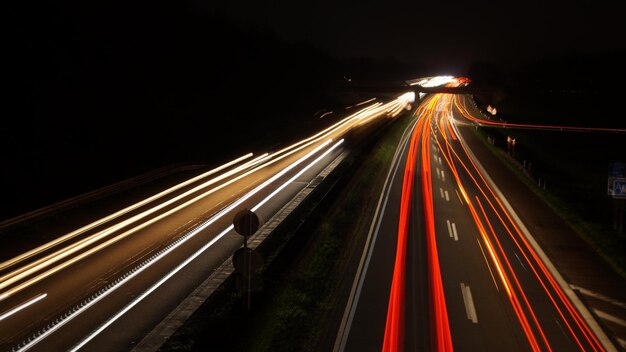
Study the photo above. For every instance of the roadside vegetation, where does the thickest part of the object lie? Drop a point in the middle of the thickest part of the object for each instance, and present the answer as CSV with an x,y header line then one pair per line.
x,y
569,170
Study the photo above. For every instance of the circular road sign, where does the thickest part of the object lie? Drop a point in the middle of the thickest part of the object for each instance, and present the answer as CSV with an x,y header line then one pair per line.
x,y
246,222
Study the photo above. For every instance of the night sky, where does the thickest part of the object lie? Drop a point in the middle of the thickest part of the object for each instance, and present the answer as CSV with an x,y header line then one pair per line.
x,y
102,91
445,35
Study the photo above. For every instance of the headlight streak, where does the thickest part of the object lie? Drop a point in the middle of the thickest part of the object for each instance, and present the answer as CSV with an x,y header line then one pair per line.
x,y
536,262
208,245
183,239
57,256
401,101
432,81
9,279
365,102
99,222
91,240
332,129
23,306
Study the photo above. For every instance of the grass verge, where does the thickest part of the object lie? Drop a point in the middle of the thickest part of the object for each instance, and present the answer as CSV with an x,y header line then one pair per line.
x,y
604,240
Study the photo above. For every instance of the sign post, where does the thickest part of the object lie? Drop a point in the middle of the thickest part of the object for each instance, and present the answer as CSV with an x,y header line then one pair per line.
x,y
616,188
246,261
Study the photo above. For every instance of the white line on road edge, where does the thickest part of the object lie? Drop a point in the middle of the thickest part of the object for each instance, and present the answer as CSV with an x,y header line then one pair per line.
x,y
586,314
359,277
470,309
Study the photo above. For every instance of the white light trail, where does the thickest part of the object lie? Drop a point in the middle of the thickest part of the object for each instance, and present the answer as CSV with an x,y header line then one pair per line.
x,y
184,239
205,247
22,306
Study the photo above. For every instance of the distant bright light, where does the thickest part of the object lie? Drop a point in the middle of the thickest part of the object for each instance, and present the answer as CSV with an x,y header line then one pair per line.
x,y
433,81
408,97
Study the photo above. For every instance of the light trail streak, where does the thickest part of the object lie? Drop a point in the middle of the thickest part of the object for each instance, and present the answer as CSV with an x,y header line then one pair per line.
x,y
188,236
524,246
339,128
23,306
365,102
488,265
537,262
394,327
83,245
443,339
514,276
49,260
515,301
365,114
202,249
115,215
465,112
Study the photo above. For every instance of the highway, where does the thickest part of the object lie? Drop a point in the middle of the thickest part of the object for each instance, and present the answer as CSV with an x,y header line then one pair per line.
x,y
449,265
106,284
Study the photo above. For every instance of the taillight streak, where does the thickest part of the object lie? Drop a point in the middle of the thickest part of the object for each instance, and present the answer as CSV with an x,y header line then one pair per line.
x,y
481,121
394,327
443,339
527,248
582,325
